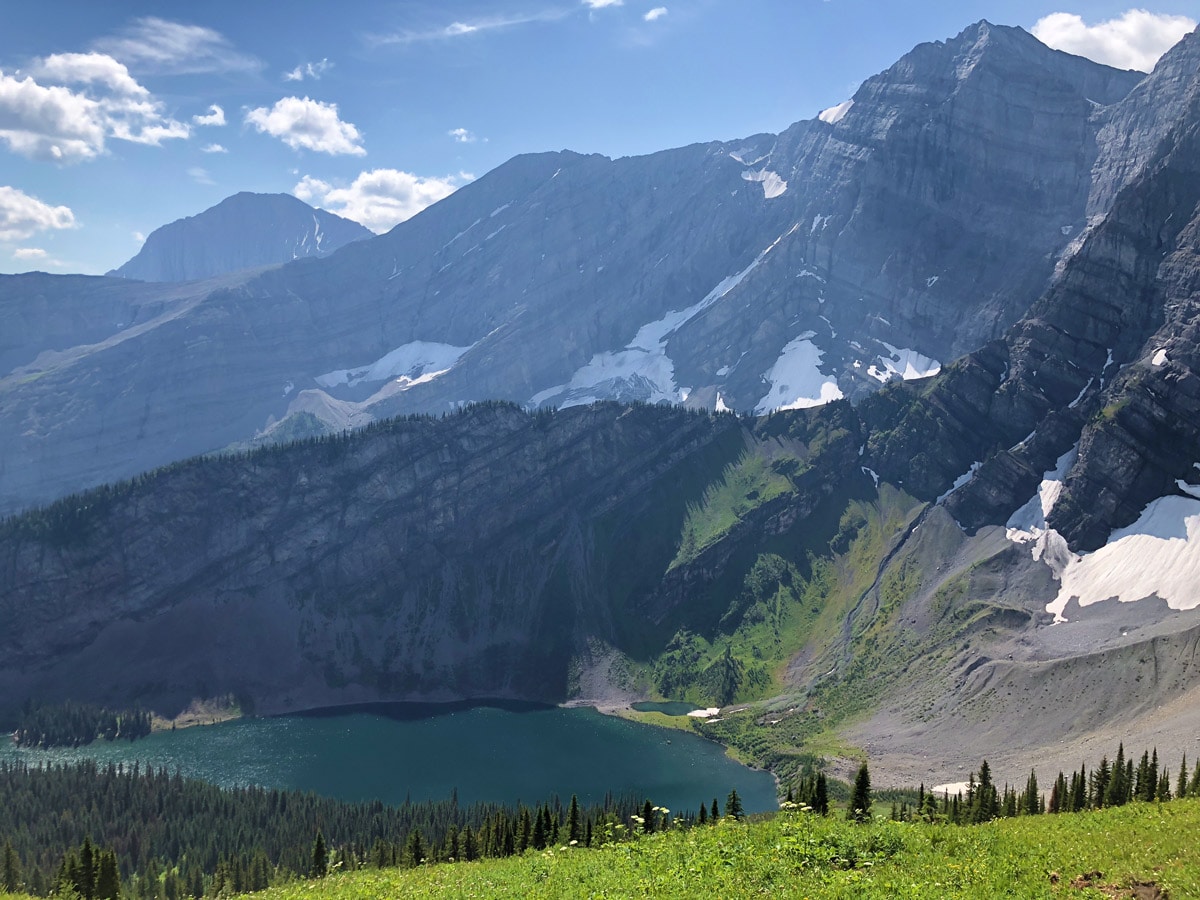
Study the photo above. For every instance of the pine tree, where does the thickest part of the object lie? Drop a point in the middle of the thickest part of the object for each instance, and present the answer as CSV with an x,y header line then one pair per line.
x,y
702,819
820,802
733,805
859,809
715,815
320,857
648,816
414,849
1181,784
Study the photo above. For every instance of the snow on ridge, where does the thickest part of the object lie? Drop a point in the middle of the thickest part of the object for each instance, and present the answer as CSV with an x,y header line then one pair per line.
x,y
413,363
1160,357
721,407
796,379
908,364
1028,524
643,366
961,480
835,114
773,186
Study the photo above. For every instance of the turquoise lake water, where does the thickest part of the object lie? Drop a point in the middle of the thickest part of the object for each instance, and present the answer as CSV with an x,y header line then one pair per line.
x,y
390,752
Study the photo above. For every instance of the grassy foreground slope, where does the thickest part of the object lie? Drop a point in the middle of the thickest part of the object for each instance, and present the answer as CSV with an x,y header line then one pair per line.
x,y
1144,847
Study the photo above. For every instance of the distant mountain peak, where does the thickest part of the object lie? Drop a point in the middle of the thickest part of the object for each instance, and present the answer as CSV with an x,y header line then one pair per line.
x,y
243,231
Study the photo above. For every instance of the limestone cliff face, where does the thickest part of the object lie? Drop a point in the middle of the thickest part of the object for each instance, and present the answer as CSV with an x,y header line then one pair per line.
x,y
245,231
915,224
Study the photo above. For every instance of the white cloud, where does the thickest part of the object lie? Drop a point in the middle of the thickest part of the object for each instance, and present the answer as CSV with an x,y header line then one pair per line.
x,y
601,4
213,148
51,121
200,175
215,117
308,70
29,253
462,136
21,215
381,198
89,68
138,237
174,48
657,13
309,124
1134,40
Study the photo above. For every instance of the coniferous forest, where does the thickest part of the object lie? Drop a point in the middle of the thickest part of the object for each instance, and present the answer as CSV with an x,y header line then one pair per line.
x,y
74,724
114,831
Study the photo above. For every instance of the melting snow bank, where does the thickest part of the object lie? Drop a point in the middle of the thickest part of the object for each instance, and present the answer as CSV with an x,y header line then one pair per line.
x,y
1159,554
796,379
704,713
413,363
773,186
642,371
961,480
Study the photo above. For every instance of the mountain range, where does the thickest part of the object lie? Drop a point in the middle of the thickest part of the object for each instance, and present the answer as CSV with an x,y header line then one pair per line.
x,y
963,305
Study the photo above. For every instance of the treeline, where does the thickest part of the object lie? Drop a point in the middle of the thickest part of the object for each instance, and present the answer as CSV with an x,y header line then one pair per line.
x,y
1109,784
173,837
74,724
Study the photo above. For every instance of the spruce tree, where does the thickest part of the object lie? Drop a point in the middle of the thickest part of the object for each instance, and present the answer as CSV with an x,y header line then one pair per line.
x,y
733,805
702,819
414,849
573,831
820,802
715,815
320,857
1032,795
1181,784
10,875
108,879
859,809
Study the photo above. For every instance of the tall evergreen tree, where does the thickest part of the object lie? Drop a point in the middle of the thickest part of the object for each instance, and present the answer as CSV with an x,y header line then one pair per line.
x,y
733,805
108,879
1181,784
859,809
320,856
10,874
715,815
820,802
1032,795
574,833
702,818
414,849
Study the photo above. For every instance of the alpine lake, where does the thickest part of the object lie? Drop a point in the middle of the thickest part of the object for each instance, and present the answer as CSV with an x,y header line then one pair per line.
x,y
499,752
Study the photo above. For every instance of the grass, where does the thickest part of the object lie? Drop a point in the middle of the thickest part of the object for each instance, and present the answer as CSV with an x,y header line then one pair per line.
x,y
797,855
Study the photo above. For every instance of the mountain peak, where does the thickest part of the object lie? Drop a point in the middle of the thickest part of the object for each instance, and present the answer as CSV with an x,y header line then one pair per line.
x,y
245,230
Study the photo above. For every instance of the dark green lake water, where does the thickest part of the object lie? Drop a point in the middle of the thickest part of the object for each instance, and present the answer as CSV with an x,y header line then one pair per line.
x,y
390,752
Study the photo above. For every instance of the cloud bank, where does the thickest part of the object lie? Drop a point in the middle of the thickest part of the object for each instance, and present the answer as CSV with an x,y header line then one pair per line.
x,y
21,215
1134,40
381,198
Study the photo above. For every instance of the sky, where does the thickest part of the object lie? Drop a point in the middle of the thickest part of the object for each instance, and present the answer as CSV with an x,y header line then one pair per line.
x,y
119,117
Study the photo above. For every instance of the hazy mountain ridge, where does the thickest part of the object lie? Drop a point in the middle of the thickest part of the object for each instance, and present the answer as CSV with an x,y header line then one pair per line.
x,y
244,231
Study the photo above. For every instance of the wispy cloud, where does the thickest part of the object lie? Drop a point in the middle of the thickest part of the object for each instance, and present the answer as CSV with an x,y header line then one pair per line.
x,y
1134,40
308,124
462,136
474,26
164,47
601,4
213,148
655,14
200,175
310,70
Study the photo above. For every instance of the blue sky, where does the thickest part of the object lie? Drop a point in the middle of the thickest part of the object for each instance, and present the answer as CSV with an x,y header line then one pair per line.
x,y
118,117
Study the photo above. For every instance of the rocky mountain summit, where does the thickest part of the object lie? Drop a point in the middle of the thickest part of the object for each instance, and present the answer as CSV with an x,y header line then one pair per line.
x,y
891,233
245,231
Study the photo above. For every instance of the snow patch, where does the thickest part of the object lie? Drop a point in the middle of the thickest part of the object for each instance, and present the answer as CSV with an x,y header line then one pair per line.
x,y
1160,357
931,280
500,209
721,407
961,480
809,273
796,379
1066,230
905,363
818,223
705,713
835,114
412,363
1028,524
871,472
1159,554
642,368
288,388
1074,403
773,186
